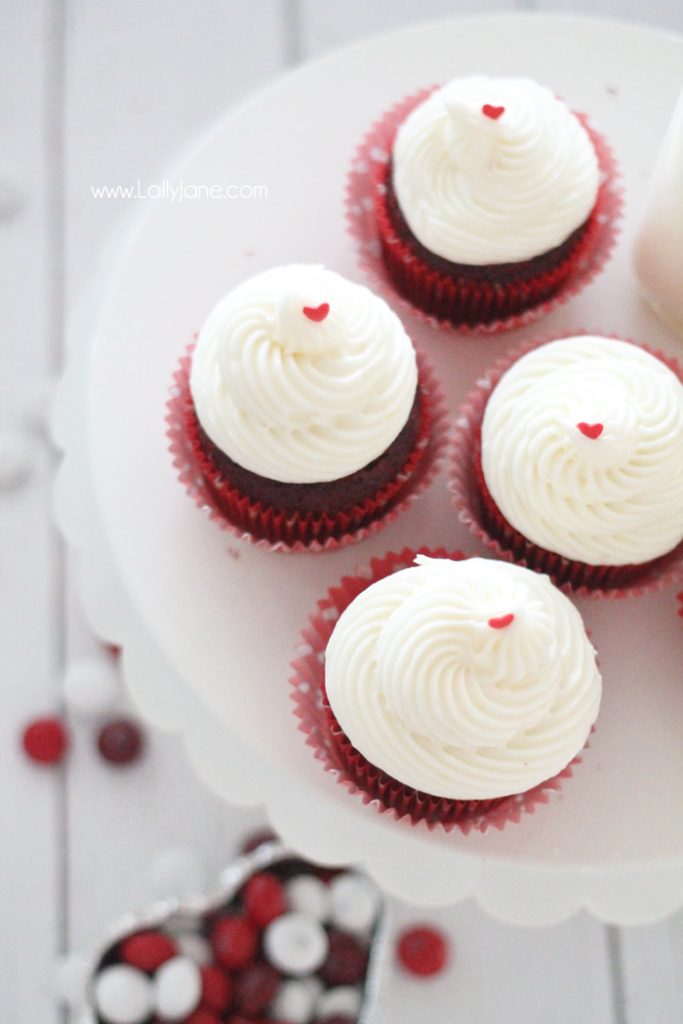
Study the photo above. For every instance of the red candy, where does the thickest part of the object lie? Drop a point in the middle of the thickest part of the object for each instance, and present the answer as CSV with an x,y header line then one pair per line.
x,y
256,988
147,950
234,941
502,622
346,961
216,989
264,899
46,740
591,430
493,112
422,951
337,1018
120,741
202,1016
316,313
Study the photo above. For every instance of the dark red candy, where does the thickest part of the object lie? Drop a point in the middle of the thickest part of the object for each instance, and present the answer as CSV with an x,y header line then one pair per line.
x,y
256,839
256,988
216,989
147,950
45,740
422,951
234,941
336,1018
202,1016
346,961
264,898
121,741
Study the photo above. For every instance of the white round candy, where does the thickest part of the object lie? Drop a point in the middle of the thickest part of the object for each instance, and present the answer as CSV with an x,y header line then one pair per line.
x,y
295,944
16,459
123,995
178,988
344,1000
308,895
355,902
91,687
294,1002
193,945
71,976
177,871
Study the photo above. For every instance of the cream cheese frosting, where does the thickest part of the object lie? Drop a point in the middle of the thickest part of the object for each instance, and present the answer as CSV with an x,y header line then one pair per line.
x,y
466,680
582,450
302,376
493,170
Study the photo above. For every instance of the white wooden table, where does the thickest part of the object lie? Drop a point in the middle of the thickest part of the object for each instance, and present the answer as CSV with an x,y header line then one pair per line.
x,y
105,92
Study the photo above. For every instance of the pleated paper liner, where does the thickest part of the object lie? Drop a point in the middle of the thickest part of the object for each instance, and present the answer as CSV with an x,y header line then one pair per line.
x,y
278,530
464,305
336,753
475,507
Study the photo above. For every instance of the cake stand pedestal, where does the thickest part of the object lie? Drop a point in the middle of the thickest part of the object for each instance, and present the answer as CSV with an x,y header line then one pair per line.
x,y
208,624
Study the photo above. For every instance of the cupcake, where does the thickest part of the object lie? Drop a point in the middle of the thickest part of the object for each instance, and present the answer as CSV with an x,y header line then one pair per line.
x,y
572,463
303,416
495,198
453,691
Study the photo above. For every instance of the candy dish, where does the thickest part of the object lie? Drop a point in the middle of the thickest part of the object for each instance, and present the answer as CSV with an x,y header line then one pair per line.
x,y
156,576
174,961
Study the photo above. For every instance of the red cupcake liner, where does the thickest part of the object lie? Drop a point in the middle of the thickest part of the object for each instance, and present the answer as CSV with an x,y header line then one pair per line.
x,y
277,530
338,755
432,295
477,510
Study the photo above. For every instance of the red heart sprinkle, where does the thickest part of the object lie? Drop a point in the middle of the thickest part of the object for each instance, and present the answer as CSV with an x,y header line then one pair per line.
x,y
493,112
502,622
317,313
592,430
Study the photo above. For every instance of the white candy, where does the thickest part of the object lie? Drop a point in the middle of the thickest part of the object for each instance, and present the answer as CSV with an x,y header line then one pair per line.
x,y
295,944
294,1002
91,687
177,871
16,459
123,995
194,946
355,902
308,895
344,1000
70,978
178,988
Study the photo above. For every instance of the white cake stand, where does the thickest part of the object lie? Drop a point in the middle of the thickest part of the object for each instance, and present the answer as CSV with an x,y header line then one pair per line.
x,y
209,625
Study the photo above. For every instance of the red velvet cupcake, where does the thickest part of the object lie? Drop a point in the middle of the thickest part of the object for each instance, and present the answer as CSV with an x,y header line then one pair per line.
x,y
303,417
450,691
491,200
567,460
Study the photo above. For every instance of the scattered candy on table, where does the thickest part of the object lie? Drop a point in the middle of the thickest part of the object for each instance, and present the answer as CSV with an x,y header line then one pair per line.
x,y
46,740
121,741
422,951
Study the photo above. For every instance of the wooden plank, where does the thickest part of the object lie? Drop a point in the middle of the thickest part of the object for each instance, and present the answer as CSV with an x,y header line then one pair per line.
x,y
143,80
328,25
502,973
651,973
30,797
666,14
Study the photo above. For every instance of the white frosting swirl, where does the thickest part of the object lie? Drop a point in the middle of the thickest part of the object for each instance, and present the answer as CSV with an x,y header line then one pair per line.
x,y
616,499
479,190
296,399
430,692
